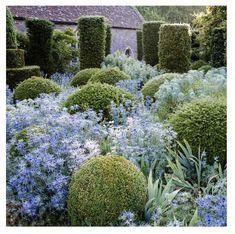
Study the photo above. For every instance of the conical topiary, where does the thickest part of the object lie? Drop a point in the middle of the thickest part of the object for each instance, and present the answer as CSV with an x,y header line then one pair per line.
x,y
11,34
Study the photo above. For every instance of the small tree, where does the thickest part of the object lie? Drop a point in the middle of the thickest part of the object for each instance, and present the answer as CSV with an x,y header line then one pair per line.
x,y
150,41
139,36
40,43
108,40
174,47
92,41
11,34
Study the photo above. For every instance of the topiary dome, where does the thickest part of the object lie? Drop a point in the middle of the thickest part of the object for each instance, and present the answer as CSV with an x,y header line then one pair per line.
x,y
103,188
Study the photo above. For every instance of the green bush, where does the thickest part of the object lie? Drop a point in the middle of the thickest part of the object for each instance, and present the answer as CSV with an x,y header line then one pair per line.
x,y
218,47
153,85
150,41
23,43
33,87
40,33
203,123
139,40
96,96
109,76
92,41
205,68
17,75
82,77
197,64
11,34
103,188
108,40
195,45
174,47
15,58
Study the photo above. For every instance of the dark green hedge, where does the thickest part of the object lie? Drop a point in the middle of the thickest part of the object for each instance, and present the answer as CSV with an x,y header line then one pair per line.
x,y
195,45
218,47
150,41
103,188
108,40
174,47
10,30
92,31
16,75
40,41
139,40
15,58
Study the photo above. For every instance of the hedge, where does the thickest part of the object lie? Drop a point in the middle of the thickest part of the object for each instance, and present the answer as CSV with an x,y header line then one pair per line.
x,y
15,58
16,75
83,76
203,123
218,47
174,47
195,45
139,40
108,40
40,33
92,41
10,31
103,188
33,87
150,41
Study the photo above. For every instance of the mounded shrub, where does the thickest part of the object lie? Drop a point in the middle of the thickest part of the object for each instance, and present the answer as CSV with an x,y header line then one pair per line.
x,y
109,76
82,77
15,58
96,96
174,47
153,85
139,40
103,188
197,64
11,34
40,32
108,40
205,68
203,123
33,87
218,47
92,41
150,41
17,75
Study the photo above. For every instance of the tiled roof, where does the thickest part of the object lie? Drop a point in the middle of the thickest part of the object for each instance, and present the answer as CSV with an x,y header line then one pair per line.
x,y
118,16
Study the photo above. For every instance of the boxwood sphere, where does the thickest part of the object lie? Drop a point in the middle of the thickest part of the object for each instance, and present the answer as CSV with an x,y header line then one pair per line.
x,y
153,85
96,96
109,76
103,188
33,87
203,122
82,77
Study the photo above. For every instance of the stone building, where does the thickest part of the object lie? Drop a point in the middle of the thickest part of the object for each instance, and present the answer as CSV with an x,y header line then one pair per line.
x,y
124,20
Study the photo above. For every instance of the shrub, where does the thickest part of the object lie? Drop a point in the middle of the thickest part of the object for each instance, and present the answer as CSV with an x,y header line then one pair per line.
x,y
15,58
23,43
137,70
11,34
139,40
174,47
218,47
16,75
153,85
110,76
205,68
189,86
108,40
33,87
203,123
103,188
97,97
195,45
197,64
150,41
82,77
92,41
40,33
